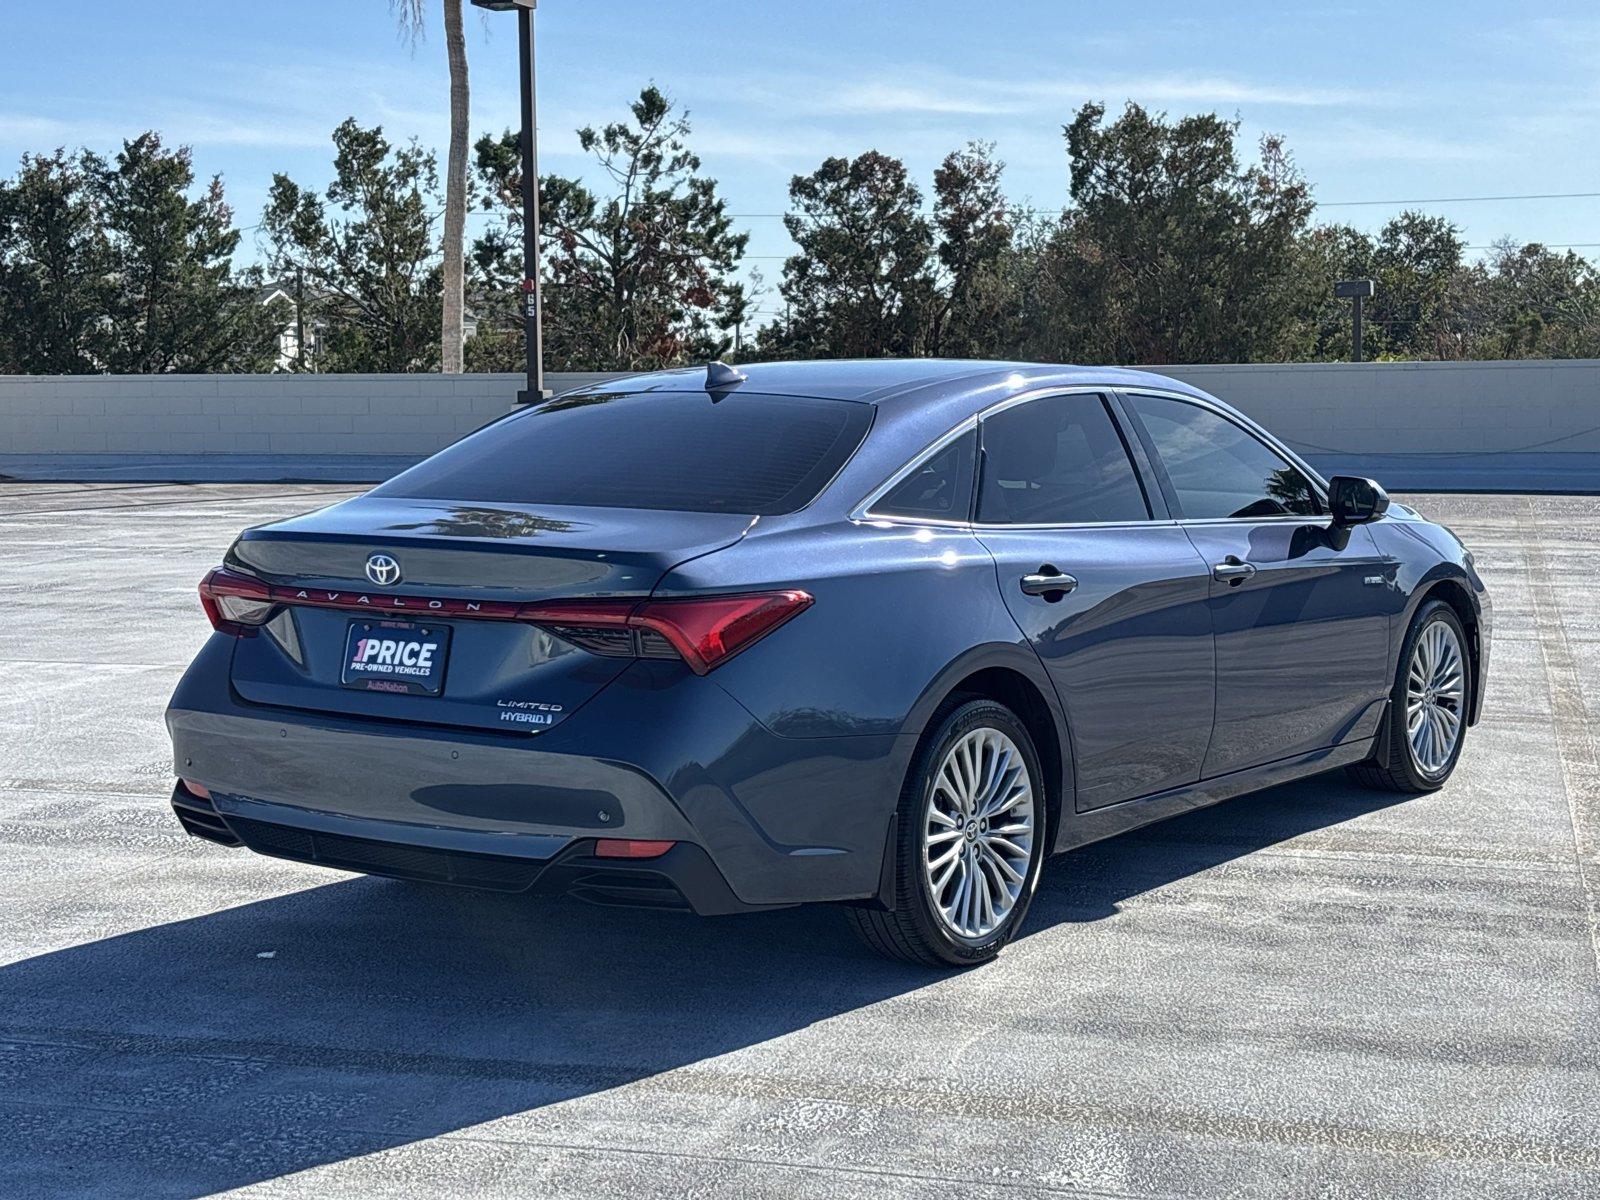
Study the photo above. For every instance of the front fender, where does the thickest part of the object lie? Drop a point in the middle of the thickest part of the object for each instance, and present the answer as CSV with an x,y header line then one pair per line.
x,y
1432,559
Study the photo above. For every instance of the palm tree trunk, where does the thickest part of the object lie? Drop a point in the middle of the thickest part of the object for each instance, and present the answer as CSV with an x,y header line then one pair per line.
x,y
455,194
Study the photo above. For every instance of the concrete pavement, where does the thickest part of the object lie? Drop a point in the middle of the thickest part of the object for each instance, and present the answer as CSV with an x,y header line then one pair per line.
x,y
1318,991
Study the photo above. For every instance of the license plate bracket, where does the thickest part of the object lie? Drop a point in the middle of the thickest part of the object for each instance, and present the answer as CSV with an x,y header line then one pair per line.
x,y
399,657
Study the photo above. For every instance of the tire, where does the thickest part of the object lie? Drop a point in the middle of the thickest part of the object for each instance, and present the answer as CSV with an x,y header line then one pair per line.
x,y
919,929
1402,767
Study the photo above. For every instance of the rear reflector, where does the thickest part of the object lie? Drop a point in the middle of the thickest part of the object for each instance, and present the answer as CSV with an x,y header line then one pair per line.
x,y
195,789
630,848
704,631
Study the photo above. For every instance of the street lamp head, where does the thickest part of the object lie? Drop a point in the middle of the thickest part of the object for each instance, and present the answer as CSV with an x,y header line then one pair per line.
x,y
505,5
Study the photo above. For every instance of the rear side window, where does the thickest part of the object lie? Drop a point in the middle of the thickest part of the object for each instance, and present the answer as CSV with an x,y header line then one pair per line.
x,y
939,488
743,453
1220,469
1057,461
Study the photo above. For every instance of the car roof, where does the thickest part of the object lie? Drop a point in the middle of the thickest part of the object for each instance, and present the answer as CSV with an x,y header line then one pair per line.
x,y
894,383
916,400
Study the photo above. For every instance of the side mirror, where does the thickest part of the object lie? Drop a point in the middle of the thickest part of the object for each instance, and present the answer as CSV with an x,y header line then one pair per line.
x,y
1354,500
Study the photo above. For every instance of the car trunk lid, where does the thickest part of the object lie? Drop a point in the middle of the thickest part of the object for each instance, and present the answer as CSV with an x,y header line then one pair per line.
x,y
448,576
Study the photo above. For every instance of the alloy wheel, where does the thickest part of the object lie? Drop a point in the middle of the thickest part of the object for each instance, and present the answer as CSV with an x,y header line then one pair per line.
x,y
1435,693
977,842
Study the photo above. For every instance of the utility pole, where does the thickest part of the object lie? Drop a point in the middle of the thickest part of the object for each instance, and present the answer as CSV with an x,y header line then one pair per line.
x,y
300,317
1359,291
532,307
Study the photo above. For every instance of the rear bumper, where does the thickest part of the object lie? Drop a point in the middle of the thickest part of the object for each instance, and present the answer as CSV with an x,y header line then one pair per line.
x,y
683,877
760,821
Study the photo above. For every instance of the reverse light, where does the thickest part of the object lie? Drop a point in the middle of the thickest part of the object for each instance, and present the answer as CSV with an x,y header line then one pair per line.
x,y
630,848
704,631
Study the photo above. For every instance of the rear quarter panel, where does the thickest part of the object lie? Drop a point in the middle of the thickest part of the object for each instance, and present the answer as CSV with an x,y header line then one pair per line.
x,y
902,614
895,606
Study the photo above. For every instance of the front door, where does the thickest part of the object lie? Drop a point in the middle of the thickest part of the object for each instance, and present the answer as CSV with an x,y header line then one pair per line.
x,y
1300,608
1114,601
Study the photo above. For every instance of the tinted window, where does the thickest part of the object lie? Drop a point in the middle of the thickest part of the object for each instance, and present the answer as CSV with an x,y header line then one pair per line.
x,y
747,453
938,488
1218,468
1056,461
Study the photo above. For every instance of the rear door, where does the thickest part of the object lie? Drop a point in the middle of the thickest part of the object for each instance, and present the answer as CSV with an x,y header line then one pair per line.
x,y
1112,596
1300,609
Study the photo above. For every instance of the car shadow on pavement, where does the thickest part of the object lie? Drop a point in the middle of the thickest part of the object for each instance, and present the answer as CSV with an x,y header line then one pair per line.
x,y
1089,883
347,1018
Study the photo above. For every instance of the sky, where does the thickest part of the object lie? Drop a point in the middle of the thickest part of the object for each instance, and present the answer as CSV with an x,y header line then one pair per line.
x,y
1379,102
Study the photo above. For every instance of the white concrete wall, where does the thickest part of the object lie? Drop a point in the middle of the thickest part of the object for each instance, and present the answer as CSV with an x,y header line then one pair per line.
x,y
1507,425
249,414
1417,408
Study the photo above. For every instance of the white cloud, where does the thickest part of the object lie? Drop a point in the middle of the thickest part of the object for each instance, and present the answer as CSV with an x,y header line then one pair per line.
x,y
1376,143
934,93
177,128
1219,90
27,130
783,145
877,99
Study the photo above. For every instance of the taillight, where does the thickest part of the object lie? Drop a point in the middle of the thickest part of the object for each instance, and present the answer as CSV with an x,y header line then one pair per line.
x,y
236,604
704,631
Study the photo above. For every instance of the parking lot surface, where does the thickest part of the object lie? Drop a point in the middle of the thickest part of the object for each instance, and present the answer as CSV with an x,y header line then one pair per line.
x,y
1317,991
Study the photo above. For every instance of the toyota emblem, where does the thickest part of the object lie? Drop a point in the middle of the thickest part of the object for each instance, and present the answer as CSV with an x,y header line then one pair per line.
x,y
383,570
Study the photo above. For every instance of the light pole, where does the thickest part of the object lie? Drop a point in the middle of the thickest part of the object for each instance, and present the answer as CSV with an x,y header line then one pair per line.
x,y
533,331
1359,290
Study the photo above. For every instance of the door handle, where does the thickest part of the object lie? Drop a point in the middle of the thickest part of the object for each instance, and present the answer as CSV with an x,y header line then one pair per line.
x,y
1047,582
1232,571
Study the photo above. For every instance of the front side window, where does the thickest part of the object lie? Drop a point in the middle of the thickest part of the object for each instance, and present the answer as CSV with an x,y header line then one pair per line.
x,y
1220,469
939,488
1057,461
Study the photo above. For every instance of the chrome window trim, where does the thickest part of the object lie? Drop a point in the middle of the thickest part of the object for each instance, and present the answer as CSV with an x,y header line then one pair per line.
x,y
1145,524
1275,519
863,511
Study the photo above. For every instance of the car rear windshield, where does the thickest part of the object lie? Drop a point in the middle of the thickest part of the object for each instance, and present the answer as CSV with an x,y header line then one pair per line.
x,y
685,451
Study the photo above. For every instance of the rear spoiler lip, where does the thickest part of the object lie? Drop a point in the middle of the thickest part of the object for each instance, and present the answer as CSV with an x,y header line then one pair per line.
x,y
619,562
564,529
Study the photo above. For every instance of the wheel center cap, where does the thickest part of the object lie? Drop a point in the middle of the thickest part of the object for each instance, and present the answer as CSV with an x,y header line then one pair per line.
x,y
972,830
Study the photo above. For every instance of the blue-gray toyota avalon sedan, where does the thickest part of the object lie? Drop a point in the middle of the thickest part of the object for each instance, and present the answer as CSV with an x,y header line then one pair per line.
x,y
885,634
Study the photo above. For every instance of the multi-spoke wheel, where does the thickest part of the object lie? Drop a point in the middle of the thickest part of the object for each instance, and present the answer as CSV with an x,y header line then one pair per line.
x,y
1427,708
977,841
970,841
1435,697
